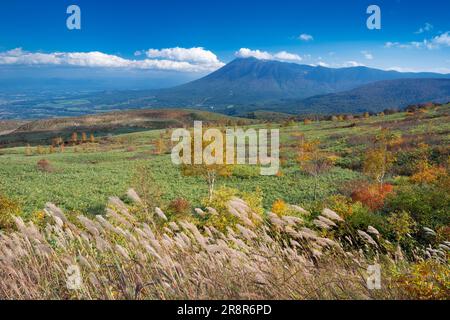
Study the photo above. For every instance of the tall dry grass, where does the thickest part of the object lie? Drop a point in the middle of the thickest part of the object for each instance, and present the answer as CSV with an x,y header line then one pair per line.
x,y
122,258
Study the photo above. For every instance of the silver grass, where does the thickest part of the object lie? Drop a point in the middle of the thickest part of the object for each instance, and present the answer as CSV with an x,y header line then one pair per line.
x,y
299,209
53,210
212,211
367,238
200,212
327,221
133,196
320,224
160,214
122,251
330,214
373,231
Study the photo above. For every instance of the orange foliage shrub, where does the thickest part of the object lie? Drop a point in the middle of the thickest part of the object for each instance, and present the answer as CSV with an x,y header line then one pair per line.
x,y
372,196
279,207
427,173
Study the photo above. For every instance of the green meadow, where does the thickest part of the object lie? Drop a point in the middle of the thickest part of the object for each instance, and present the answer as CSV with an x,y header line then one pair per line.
x,y
83,177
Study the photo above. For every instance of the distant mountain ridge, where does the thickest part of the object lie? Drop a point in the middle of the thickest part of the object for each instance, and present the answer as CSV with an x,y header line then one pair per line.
x,y
374,97
247,81
248,84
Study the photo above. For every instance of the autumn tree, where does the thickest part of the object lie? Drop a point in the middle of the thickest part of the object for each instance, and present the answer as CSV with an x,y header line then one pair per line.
x,y
159,147
378,160
91,138
83,137
209,172
57,141
40,150
313,160
74,138
28,151
143,181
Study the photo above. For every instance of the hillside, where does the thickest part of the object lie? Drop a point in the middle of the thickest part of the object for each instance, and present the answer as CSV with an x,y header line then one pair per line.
x,y
110,123
375,97
9,126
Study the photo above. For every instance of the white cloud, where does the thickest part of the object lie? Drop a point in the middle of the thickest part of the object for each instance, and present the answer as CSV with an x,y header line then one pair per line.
x,y
367,55
427,27
264,55
248,53
182,60
305,37
442,40
195,55
286,56
402,45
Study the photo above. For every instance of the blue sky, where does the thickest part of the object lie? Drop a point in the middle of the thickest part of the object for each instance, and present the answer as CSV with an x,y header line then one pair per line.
x,y
129,37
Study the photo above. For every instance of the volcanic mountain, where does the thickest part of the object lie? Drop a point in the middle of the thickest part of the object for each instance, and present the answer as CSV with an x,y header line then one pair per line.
x,y
249,81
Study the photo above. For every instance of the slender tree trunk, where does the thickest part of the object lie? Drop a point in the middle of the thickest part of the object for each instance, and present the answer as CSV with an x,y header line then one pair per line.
x,y
211,182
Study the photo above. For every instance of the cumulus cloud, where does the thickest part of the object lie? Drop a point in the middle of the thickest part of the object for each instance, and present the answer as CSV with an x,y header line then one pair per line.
x,y
264,55
182,60
247,53
286,56
198,54
442,40
439,41
367,55
427,27
306,37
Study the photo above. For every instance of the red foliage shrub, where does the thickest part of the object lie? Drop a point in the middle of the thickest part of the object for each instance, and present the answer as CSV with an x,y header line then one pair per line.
x,y
180,206
44,165
372,196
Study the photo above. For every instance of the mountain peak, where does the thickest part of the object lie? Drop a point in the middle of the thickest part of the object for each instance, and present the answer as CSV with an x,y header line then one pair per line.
x,y
251,81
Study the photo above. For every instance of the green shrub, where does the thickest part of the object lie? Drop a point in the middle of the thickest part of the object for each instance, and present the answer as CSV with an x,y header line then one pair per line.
x,y
361,218
427,204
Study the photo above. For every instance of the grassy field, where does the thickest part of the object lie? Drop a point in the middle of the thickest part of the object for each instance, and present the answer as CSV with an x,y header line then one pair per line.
x,y
351,195
83,177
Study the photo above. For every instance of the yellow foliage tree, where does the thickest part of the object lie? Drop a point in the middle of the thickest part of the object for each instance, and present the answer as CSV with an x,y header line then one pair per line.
x,y
378,161
313,160
74,138
209,172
